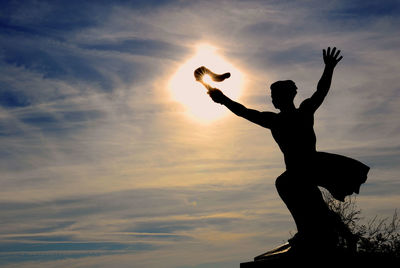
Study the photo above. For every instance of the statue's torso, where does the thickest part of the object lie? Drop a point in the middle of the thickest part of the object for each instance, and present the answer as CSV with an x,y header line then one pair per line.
x,y
294,133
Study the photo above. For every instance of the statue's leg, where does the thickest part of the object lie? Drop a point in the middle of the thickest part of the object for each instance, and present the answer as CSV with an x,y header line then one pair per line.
x,y
307,206
284,186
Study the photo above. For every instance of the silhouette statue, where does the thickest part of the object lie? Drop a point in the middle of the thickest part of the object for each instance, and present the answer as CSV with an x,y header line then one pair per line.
x,y
306,168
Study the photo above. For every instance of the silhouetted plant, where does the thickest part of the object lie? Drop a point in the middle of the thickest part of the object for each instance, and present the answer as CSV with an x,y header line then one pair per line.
x,y
375,237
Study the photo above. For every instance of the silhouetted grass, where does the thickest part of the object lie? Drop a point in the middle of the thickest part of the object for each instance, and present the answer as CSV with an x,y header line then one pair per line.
x,y
376,237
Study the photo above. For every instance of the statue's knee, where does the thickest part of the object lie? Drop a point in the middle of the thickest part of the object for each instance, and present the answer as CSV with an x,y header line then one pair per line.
x,y
281,182
277,183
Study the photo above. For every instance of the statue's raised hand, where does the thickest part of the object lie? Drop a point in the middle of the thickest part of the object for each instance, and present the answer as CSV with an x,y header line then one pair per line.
x,y
331,57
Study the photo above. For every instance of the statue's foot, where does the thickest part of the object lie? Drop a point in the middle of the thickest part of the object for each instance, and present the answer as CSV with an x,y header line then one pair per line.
x,y
297,240
322,245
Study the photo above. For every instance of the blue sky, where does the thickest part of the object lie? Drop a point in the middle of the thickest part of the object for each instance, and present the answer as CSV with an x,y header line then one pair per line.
x,y
101,167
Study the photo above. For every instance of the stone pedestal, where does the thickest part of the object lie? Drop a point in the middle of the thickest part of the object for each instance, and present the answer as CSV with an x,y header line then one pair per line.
x,y
282,256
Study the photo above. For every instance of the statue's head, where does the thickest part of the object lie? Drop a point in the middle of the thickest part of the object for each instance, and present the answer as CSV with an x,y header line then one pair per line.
x,y
283,93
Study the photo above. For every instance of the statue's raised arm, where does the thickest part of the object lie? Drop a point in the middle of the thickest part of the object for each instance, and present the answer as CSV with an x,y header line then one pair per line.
x,y
331,58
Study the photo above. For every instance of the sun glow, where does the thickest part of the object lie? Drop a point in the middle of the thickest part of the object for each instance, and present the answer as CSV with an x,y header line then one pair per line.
x,y
193,95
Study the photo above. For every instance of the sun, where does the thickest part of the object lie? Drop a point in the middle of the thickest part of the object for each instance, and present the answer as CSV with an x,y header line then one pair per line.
x,y
193,95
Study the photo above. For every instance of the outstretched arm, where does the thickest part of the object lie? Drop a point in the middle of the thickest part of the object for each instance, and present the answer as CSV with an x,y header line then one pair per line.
x,y
263,119
331,58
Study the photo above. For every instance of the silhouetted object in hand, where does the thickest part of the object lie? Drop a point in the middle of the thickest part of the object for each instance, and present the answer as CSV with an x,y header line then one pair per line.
x,y
306,168
201,71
